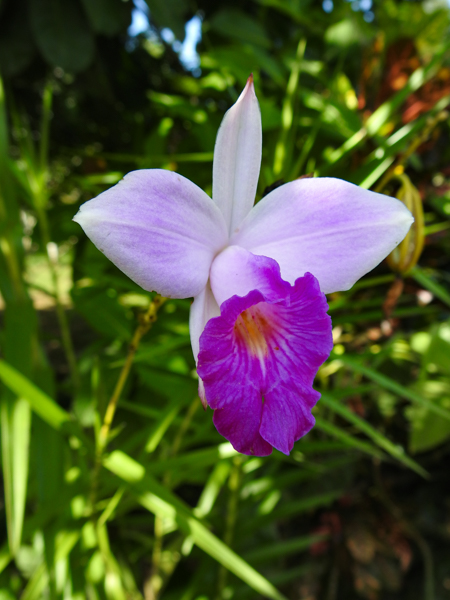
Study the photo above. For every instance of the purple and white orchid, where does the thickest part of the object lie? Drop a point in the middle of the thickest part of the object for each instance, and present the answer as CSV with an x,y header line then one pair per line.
x,y
259,326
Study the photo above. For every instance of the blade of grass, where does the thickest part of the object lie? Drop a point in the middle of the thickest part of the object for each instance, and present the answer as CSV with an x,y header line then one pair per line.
x,y
393,386
284,145
348,439
284,548
65,542
383,113
16,420
287,509
423,278
42,404
162,503
395,450
161,426
19,341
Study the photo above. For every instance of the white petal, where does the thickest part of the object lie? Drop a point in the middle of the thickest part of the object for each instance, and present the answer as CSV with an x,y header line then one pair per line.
x,y
333,229
203,308
159,228
237,158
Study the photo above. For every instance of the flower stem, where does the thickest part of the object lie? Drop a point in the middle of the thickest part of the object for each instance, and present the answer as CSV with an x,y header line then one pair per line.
x,y
145,323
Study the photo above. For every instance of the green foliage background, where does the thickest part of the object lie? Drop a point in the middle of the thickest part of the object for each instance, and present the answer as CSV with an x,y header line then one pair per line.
x,y
163,507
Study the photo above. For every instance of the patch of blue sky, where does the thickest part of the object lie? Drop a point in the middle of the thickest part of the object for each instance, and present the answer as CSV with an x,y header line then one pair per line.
x,y
188,54
139,19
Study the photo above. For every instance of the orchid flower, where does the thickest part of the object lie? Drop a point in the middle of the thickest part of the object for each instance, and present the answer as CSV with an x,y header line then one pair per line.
x,y
258,274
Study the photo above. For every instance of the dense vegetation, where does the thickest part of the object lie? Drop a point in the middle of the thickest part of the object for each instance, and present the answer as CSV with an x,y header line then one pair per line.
x,y
148,501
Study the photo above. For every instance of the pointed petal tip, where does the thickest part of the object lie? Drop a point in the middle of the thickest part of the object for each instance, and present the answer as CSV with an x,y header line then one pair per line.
x,y
237,158
402,215
249,88
201,394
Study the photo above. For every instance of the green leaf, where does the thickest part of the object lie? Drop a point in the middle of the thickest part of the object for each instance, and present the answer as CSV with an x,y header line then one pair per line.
x,y
103,312
429,430
44,406
393,386
196,459
15,427
243,60
234,23
348,32
438,350
426,279
18,346
48,454
212,488
395,450
5,558
294,507
348,439
169,13
62,33
284,548
64,544
385,111
162,424
107,17
158,500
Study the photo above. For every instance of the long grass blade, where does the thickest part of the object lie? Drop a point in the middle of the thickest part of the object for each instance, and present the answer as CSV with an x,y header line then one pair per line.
x,y
16,420
423,278
393,386
164,504
42,404
395,450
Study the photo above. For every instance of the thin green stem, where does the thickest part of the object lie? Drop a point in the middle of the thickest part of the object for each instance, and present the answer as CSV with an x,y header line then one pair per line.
x,y
144,326
146,321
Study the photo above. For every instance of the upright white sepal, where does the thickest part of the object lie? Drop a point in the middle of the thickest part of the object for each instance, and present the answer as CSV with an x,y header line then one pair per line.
x,y
237,158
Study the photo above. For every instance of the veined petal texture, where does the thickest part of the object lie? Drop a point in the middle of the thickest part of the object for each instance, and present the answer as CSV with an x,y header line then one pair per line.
x,y
159,228
237,158
328,227
258,361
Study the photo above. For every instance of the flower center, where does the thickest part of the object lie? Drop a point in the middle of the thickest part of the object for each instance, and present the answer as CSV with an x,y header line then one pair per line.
x,y
252,327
